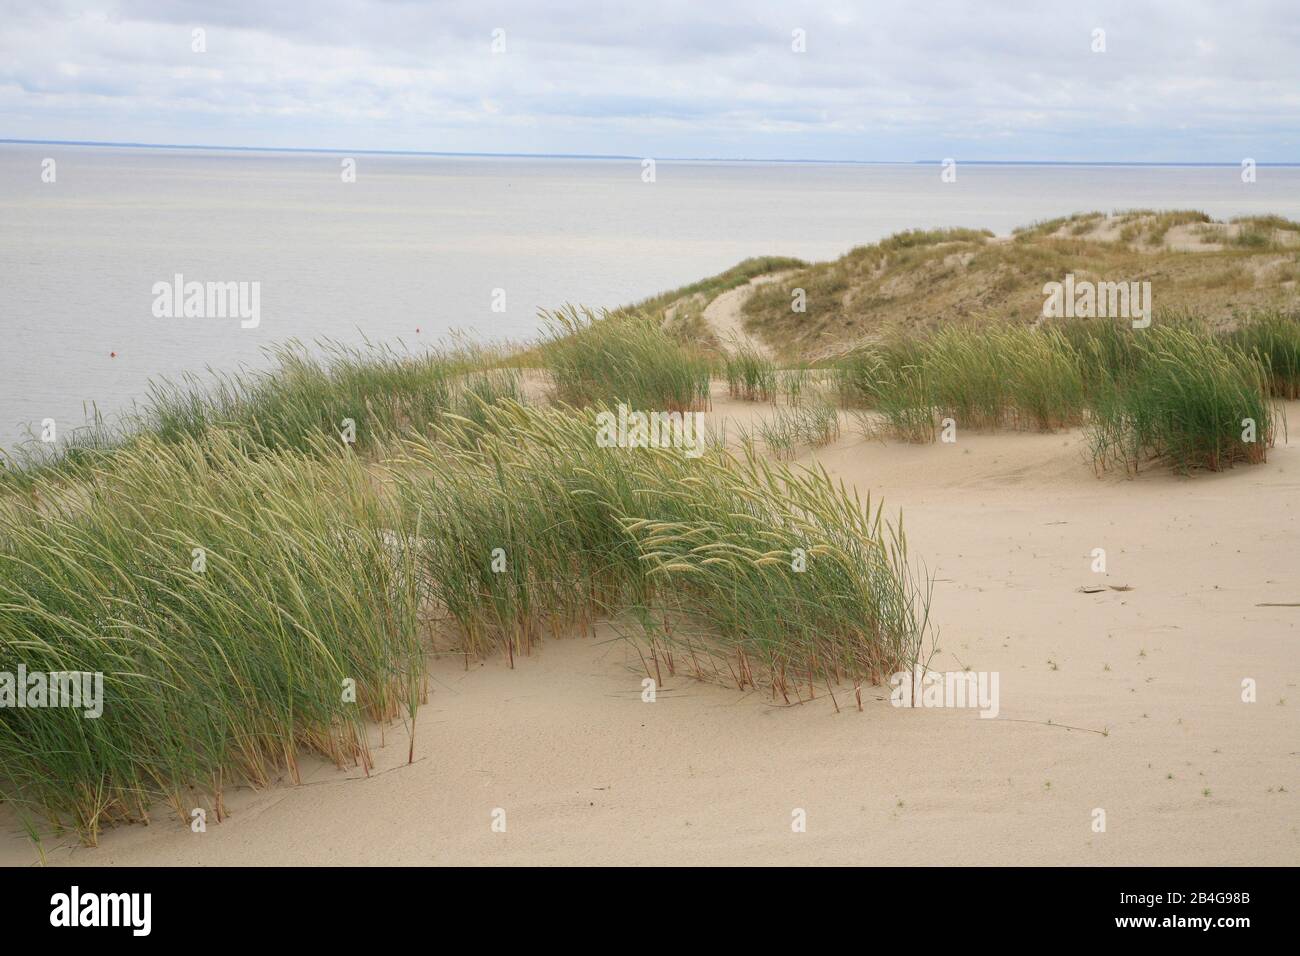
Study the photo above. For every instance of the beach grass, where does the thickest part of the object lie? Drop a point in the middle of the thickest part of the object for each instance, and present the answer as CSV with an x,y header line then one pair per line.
x,y
308,393
1192,401
231,594
609,357
1178,392
364,396
232,566
794,385
227,599
751,375
754,571
1274,337
811,423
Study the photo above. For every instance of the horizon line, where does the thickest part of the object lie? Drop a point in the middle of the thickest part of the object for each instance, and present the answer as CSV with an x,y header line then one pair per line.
x,y
618,156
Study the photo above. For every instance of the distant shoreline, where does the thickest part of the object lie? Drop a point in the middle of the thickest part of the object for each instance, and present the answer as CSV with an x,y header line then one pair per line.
x,y
628,157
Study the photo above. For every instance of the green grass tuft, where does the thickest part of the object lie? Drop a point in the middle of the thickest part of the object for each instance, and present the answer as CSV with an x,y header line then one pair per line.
x,y
622,357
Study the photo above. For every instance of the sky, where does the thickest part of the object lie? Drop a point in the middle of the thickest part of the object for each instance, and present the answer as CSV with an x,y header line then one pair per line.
x,y
904,80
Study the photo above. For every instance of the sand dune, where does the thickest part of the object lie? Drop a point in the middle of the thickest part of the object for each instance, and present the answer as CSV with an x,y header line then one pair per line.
x,y
723,314
1127,701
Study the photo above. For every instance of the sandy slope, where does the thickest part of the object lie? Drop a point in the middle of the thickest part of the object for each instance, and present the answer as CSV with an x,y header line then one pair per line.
x,y
587,773
724,314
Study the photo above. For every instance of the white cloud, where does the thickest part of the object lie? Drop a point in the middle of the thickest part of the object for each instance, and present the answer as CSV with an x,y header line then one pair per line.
x,y
1208,81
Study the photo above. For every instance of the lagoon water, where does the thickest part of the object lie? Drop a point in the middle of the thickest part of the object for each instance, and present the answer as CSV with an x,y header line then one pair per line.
x,y
421,243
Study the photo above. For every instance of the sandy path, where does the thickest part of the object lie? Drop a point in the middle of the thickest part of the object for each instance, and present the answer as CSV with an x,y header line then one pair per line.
x,y
724,315
587,773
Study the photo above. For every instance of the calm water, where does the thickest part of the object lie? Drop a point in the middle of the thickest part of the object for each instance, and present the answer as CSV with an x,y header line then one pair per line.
x,y
422,242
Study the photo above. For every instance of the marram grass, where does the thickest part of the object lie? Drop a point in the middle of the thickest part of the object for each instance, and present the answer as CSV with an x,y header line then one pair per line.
x,y
500,524
1176,392
613,357
752,571
751,375
369,394
813,423
231,594
226,599
306,394
1273,337
1190,401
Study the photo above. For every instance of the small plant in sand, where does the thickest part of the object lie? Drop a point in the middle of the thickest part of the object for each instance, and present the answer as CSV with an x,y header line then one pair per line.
x,y
814,423
795,385
751,375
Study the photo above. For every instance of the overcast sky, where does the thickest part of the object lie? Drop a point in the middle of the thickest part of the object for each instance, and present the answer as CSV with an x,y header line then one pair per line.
x,y
1185,80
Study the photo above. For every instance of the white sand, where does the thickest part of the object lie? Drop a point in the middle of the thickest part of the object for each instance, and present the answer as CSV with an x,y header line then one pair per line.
x,y
587,773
